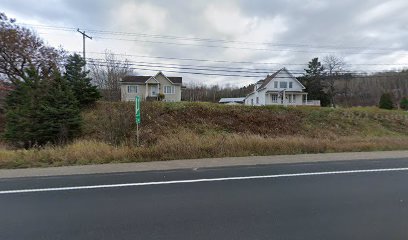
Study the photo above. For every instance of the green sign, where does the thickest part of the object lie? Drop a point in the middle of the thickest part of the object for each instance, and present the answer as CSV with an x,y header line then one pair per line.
x,y
137,109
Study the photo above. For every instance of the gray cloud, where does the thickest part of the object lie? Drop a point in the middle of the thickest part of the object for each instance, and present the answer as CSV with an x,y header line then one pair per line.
x,y
372,25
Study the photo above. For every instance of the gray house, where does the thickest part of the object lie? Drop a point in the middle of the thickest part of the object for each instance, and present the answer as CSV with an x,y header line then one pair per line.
x,y
149,87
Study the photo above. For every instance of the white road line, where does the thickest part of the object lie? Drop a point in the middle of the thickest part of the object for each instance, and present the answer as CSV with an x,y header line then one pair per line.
x,y
200,180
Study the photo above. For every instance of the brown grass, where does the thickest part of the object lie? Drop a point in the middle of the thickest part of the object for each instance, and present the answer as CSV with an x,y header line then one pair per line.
x,y
187,145
201,130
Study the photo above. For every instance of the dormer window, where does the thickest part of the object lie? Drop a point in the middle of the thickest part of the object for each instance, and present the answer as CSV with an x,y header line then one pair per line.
x,y
283,84
275,84
290,84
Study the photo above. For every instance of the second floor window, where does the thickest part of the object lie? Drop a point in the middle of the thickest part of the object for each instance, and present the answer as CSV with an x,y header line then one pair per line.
x,y
275,84
169,90
290,84
132,89
283,84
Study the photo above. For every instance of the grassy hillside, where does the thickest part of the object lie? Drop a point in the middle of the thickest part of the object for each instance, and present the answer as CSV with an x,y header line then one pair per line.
x,y
196,130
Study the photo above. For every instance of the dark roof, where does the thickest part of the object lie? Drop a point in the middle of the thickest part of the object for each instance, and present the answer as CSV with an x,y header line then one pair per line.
x,y
143,79
268,79
136,79
176,79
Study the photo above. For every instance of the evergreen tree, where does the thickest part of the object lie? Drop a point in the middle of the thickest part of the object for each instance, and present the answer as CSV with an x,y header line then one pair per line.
x,y
386,101
22,109
404,103
41,111
83,90
312,80
60,113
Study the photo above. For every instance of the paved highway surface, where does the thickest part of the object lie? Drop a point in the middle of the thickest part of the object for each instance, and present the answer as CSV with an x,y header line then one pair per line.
x,y
336,200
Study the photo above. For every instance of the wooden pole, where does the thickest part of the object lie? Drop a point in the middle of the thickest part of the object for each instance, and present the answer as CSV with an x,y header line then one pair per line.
x,y
137,135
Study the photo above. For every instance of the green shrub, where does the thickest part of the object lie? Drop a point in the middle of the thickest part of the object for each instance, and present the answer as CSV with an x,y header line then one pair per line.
x,y
404,103
386,101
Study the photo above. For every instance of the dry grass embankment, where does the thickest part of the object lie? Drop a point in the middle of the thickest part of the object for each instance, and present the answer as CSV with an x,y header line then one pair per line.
x,y
198,130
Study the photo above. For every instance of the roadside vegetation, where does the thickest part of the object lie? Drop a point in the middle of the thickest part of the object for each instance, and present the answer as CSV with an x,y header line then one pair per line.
x,y
199,130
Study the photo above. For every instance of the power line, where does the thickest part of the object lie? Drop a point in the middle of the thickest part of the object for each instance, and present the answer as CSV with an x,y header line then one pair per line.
x,y
241,48
198,67
213,68
234,62
156,69
173,37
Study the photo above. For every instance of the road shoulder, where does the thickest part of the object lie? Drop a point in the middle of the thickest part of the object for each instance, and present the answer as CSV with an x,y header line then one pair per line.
x,y
200,163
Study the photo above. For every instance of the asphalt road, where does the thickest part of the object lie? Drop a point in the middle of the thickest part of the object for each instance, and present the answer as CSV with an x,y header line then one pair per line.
x,y
219,203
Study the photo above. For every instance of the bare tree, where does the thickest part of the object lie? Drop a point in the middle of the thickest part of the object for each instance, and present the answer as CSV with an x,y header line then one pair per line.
x,y
366,90
200,92
107,73
20,48
333,66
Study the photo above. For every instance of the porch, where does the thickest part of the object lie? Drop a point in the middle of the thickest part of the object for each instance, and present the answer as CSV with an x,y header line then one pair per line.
x,y
289,99
152,91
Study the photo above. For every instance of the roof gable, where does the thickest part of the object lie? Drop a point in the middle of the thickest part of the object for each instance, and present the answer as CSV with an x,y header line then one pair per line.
x,y
269,78
152,80
160,73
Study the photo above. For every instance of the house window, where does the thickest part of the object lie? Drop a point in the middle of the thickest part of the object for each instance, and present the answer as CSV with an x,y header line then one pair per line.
x,y
257,100
169,90
290,84
294,98
252,101
274,98
132,89
283,84
275,84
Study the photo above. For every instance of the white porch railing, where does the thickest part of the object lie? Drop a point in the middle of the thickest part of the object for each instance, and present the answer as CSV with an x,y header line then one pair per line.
x,y
312,102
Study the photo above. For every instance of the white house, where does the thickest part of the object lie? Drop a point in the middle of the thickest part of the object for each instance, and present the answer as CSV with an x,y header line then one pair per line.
x,y
280,88
149,87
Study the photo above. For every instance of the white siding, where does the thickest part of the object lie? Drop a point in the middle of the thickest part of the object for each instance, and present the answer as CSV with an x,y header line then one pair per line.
x,y
157,83
171,97
126,96
283,76
291,86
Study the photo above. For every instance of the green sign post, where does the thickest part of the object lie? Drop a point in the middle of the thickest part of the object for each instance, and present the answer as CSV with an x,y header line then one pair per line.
x,y
137,110
137,117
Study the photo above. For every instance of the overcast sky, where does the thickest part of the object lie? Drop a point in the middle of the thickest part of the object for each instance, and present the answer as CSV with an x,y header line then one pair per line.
x,y
285,32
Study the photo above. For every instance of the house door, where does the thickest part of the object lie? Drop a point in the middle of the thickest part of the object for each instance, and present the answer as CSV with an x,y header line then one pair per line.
x,y
154,90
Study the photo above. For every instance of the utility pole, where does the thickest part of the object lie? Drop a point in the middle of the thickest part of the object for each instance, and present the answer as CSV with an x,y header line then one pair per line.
x,y
83,44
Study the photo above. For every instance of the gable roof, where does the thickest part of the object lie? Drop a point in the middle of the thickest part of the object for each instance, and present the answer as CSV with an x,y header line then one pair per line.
x,y
271,77
152,78
143,79
268,79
